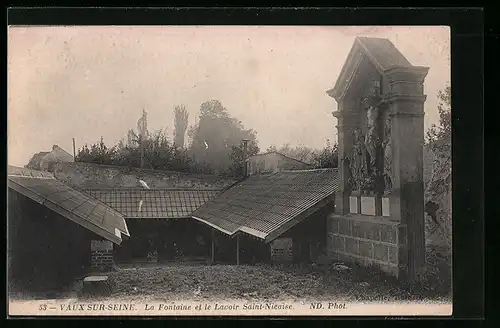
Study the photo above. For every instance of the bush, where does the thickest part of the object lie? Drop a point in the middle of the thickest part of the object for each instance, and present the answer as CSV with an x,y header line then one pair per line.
x,y
438,185
159,154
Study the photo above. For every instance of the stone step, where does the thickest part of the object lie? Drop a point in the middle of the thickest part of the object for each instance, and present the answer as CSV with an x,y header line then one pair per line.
x,y
96,286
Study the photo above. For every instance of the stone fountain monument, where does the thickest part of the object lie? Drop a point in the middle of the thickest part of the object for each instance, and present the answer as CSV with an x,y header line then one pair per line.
x,y
379,209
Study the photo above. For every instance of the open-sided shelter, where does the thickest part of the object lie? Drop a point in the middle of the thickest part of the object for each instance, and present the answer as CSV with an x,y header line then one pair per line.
x,y
55,232
281,216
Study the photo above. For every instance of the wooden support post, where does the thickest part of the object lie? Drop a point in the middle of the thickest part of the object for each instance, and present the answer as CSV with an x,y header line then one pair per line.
x,y
238,250
213,246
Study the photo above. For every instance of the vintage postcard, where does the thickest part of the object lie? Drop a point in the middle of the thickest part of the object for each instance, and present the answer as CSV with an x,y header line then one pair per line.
x,y
229,170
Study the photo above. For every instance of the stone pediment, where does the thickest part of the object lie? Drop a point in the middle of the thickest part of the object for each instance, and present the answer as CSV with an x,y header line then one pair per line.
x,y
383,56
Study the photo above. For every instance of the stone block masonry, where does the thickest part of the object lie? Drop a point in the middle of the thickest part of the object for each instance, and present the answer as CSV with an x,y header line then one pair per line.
x,y
281,250
85,175
102,255
368,241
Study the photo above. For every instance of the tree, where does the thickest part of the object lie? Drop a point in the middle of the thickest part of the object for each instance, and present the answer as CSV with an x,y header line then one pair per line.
x,y
215,134
141,135
98,153
438,185
131,138
318,158
238,158
301,153
142,125
440,135
271,149
181,117
328,157
159,154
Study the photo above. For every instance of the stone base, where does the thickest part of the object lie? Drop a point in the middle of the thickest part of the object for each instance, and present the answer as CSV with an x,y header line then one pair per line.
x,y
282,250
371,241
102,255
96,286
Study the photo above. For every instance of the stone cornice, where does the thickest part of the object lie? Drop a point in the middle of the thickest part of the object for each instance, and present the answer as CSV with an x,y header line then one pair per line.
x,y
347,73
408,114
345,113
352,126
415,74
390,98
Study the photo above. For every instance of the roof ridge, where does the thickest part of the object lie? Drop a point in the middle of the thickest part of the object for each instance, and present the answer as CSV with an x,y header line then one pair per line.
x,y
371,37
151,189
284,155
18,171
149,170
312,170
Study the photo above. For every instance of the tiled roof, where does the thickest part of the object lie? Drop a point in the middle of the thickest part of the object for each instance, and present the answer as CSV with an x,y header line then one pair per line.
x,y
156,203
267,205
280,154
74,205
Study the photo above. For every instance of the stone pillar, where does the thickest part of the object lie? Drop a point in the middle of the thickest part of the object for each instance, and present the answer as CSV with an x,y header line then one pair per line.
x,y
406,107
348,117
102,255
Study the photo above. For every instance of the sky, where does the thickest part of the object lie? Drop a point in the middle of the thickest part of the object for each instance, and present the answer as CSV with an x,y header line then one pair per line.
x,y
88,82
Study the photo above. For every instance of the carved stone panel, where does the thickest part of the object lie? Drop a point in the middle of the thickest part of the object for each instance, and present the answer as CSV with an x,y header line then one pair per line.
x,y
357,162
387,147
368,154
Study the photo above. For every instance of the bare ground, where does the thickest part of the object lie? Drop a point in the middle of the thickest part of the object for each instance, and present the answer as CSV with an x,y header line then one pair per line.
x,y
270,282
265,282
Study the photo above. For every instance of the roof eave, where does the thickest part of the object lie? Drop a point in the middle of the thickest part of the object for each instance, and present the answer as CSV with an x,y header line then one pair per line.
x,y
69,214
299,218
213,225
247,230
348,71
65,213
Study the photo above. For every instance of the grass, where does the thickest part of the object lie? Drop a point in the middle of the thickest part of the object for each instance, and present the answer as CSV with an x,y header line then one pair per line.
x,y
267,282
277,282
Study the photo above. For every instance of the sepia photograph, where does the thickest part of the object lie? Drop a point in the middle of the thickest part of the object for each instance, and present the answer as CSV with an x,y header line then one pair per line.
x,y
229,170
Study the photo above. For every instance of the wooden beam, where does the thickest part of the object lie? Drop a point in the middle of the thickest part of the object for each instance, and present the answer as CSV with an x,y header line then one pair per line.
x,y
213,246
238,250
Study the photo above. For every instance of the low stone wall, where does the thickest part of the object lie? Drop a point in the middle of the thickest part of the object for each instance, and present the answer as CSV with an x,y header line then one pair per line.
x,y
86,175
368,241
102,255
